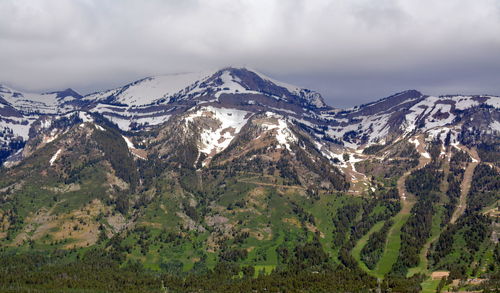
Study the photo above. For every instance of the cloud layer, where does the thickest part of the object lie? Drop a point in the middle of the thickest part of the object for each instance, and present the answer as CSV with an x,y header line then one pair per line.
x,y
352,51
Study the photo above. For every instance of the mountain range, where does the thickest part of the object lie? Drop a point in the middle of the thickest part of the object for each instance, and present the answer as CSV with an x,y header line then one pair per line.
x,y
186,172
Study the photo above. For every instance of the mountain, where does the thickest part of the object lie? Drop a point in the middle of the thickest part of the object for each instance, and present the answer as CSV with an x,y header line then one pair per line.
x,y
151,101
231,172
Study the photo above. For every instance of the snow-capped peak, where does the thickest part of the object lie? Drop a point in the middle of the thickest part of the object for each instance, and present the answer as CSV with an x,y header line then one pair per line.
x,y
149,90
259,82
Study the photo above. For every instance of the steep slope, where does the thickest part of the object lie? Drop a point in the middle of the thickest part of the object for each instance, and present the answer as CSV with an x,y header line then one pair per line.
x,y
46,103
75,166
148,90
412,112
19,112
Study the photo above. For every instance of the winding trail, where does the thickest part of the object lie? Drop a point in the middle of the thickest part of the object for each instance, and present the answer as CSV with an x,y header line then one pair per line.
x,y
393,242
251,180
464,190
423,265
466,183
356,251
459,210
436,222
408,199
446,171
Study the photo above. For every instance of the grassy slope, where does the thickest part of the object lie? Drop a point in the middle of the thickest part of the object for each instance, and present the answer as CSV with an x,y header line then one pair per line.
x,y
430,285
393,245
408,200
271,210
356,251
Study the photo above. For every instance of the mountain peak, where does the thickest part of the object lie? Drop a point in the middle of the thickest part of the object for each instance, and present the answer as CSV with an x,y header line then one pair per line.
x,y
207,87
69,92
255,81
409,94
391,101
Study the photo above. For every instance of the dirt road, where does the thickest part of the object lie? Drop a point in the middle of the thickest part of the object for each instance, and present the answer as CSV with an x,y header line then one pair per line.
x,y
466,182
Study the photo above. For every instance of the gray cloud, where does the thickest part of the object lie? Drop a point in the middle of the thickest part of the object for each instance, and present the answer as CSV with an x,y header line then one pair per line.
x,y
352,51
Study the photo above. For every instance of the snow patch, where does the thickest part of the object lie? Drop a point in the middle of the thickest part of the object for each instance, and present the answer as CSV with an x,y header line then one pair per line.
x,y
20,127
434,122
493,101
231,85
86,117
311,97
329,154
376,127
51,138
416,142
130,145
123,123
418,110
230,123
463,102
99,127
495,126
284,135
55,156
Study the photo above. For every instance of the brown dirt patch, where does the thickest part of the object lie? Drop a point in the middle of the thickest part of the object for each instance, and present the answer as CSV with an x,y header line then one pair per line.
x,y
292,221
439,275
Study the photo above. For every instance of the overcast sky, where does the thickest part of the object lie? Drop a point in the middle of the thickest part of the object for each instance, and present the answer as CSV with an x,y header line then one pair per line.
x,y
351,51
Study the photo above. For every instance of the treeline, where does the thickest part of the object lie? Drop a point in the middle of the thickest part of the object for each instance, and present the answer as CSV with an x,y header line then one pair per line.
x,y
96,269
106,270
100,270
320,166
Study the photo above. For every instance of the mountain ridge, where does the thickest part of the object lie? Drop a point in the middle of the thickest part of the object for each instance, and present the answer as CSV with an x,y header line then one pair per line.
x,y
158,98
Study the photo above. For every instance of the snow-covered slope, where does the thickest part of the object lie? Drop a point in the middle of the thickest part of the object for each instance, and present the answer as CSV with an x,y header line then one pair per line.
x,y
405,114
19,111
152,101
313,98
219,128
232,95
32,103
161,89
148,90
